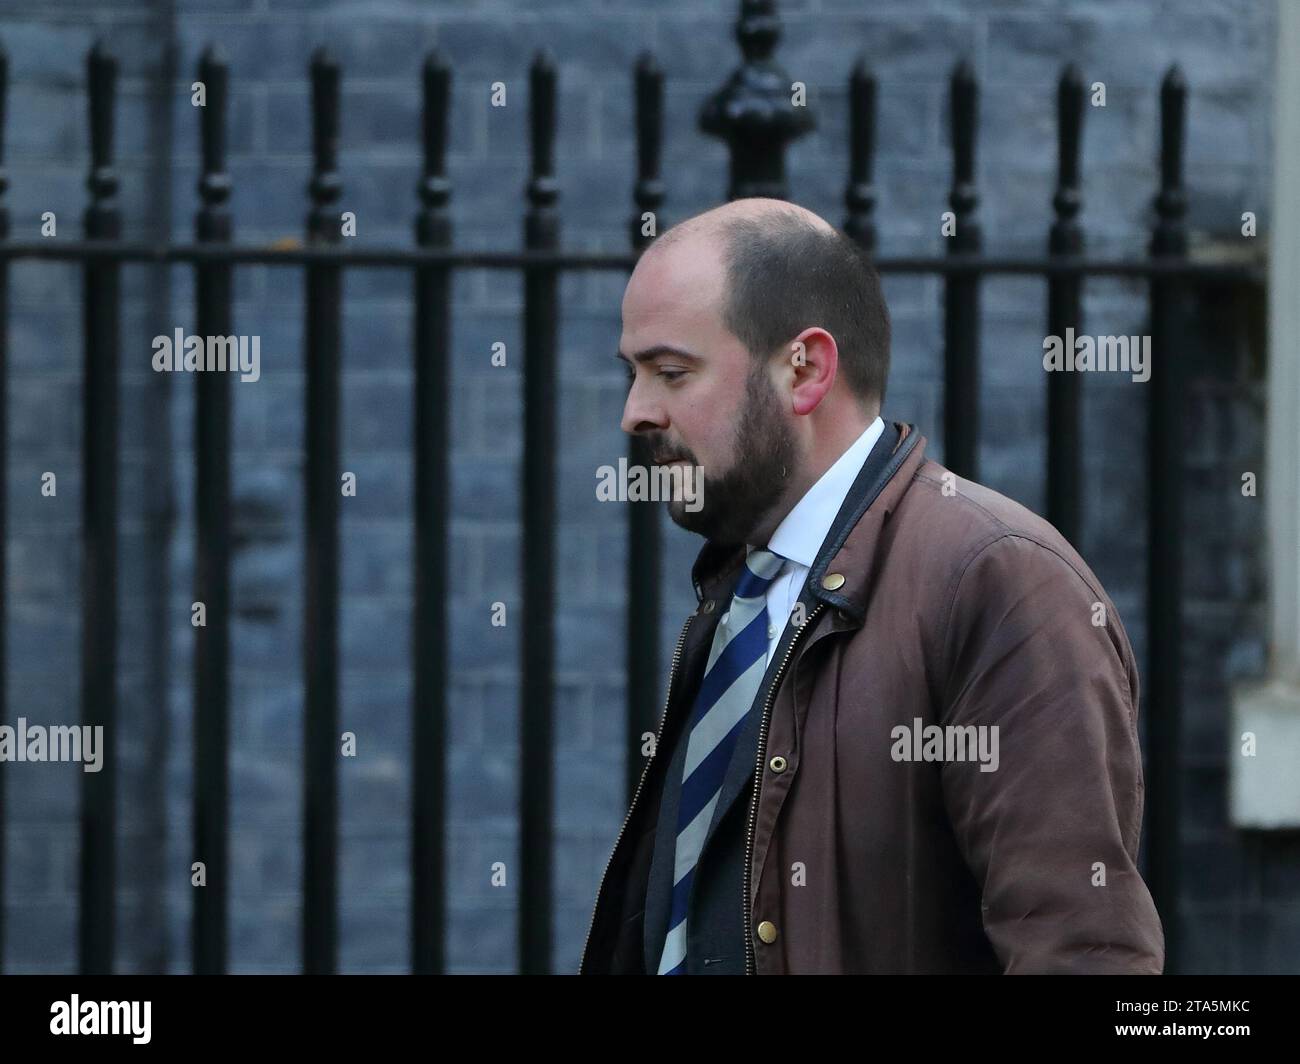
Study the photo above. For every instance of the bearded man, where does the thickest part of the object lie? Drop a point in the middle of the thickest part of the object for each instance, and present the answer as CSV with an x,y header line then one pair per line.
x,y
853,591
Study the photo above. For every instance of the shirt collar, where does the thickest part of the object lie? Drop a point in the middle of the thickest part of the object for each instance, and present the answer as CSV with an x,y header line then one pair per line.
x,y
800,535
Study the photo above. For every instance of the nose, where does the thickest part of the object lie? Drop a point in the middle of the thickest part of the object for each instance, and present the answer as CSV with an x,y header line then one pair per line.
x,y
641,415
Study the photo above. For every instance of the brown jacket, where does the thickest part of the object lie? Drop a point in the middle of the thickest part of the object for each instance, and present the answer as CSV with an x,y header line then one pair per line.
x,y
957,607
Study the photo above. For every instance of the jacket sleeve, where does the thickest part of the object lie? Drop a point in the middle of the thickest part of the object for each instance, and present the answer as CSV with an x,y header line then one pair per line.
x,y
1050,834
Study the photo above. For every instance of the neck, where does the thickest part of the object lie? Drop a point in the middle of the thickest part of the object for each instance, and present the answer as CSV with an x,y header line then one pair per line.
x,y
826,451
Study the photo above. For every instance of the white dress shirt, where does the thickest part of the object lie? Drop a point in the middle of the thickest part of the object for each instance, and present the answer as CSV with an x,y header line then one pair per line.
x,y
801,534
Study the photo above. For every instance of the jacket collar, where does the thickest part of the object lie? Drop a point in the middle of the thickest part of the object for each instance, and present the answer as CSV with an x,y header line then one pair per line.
x,y
849,548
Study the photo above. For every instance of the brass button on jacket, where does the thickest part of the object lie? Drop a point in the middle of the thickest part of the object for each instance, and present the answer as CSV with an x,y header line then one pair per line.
x,y
777,764
767,931
832,580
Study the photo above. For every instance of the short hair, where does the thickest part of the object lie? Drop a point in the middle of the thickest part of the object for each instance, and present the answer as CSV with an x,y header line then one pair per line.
x,y
785,274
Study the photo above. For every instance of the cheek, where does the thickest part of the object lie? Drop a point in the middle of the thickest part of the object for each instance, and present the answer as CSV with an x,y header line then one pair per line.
x,y
711,448
705,425
692,427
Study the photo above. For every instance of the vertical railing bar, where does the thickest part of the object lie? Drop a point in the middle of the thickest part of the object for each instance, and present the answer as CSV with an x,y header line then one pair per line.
x,y
541,231
1064,472
1164,536
4,466
643,539
432,493
961,320
99,573
860,196
323,491
212,292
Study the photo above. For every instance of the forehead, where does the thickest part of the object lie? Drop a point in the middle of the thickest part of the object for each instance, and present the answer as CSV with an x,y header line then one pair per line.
x,y
675,291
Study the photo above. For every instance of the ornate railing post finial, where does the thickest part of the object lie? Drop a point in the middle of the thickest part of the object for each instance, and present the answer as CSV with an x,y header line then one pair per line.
x,y
754,112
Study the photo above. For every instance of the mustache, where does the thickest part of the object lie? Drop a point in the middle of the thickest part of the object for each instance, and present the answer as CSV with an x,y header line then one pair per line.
x,y
661,457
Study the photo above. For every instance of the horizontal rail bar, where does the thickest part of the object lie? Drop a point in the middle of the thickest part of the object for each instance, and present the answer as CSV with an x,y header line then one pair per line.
x,y
126,251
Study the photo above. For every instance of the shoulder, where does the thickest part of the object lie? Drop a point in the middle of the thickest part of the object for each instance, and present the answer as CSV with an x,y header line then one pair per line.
x,y
1009,575
966,518
989,545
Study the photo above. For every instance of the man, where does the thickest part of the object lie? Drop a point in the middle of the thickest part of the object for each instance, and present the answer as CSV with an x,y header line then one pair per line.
x,y
901,732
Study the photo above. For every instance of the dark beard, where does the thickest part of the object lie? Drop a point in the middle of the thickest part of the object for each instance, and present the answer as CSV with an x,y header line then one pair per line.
x,y
736,500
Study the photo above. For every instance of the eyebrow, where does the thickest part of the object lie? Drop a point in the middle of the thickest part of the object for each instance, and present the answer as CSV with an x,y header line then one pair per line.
x,y
651,353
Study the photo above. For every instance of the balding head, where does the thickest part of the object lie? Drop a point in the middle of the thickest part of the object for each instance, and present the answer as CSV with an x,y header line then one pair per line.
x,y
775,268
712,225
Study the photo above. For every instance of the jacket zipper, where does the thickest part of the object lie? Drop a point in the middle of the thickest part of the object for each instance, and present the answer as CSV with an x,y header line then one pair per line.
x,y
672,678
750,962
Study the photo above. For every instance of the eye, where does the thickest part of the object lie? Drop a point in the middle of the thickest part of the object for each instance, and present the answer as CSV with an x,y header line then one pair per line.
x,y
669,375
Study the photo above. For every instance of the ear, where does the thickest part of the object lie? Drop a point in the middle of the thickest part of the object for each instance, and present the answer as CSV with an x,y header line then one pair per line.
x,y
813,360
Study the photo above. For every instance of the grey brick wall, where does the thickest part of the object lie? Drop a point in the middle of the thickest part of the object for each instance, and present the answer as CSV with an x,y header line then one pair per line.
x,y
1243,913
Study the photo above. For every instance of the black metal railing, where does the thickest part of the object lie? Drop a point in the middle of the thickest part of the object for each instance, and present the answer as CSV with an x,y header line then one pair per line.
x,y
752,112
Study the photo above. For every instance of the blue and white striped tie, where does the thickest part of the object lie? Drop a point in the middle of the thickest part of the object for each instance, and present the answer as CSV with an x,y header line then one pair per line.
x,y
737,662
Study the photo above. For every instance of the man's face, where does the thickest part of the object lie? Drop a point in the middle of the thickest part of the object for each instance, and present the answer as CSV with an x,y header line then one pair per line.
x,y
701,398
